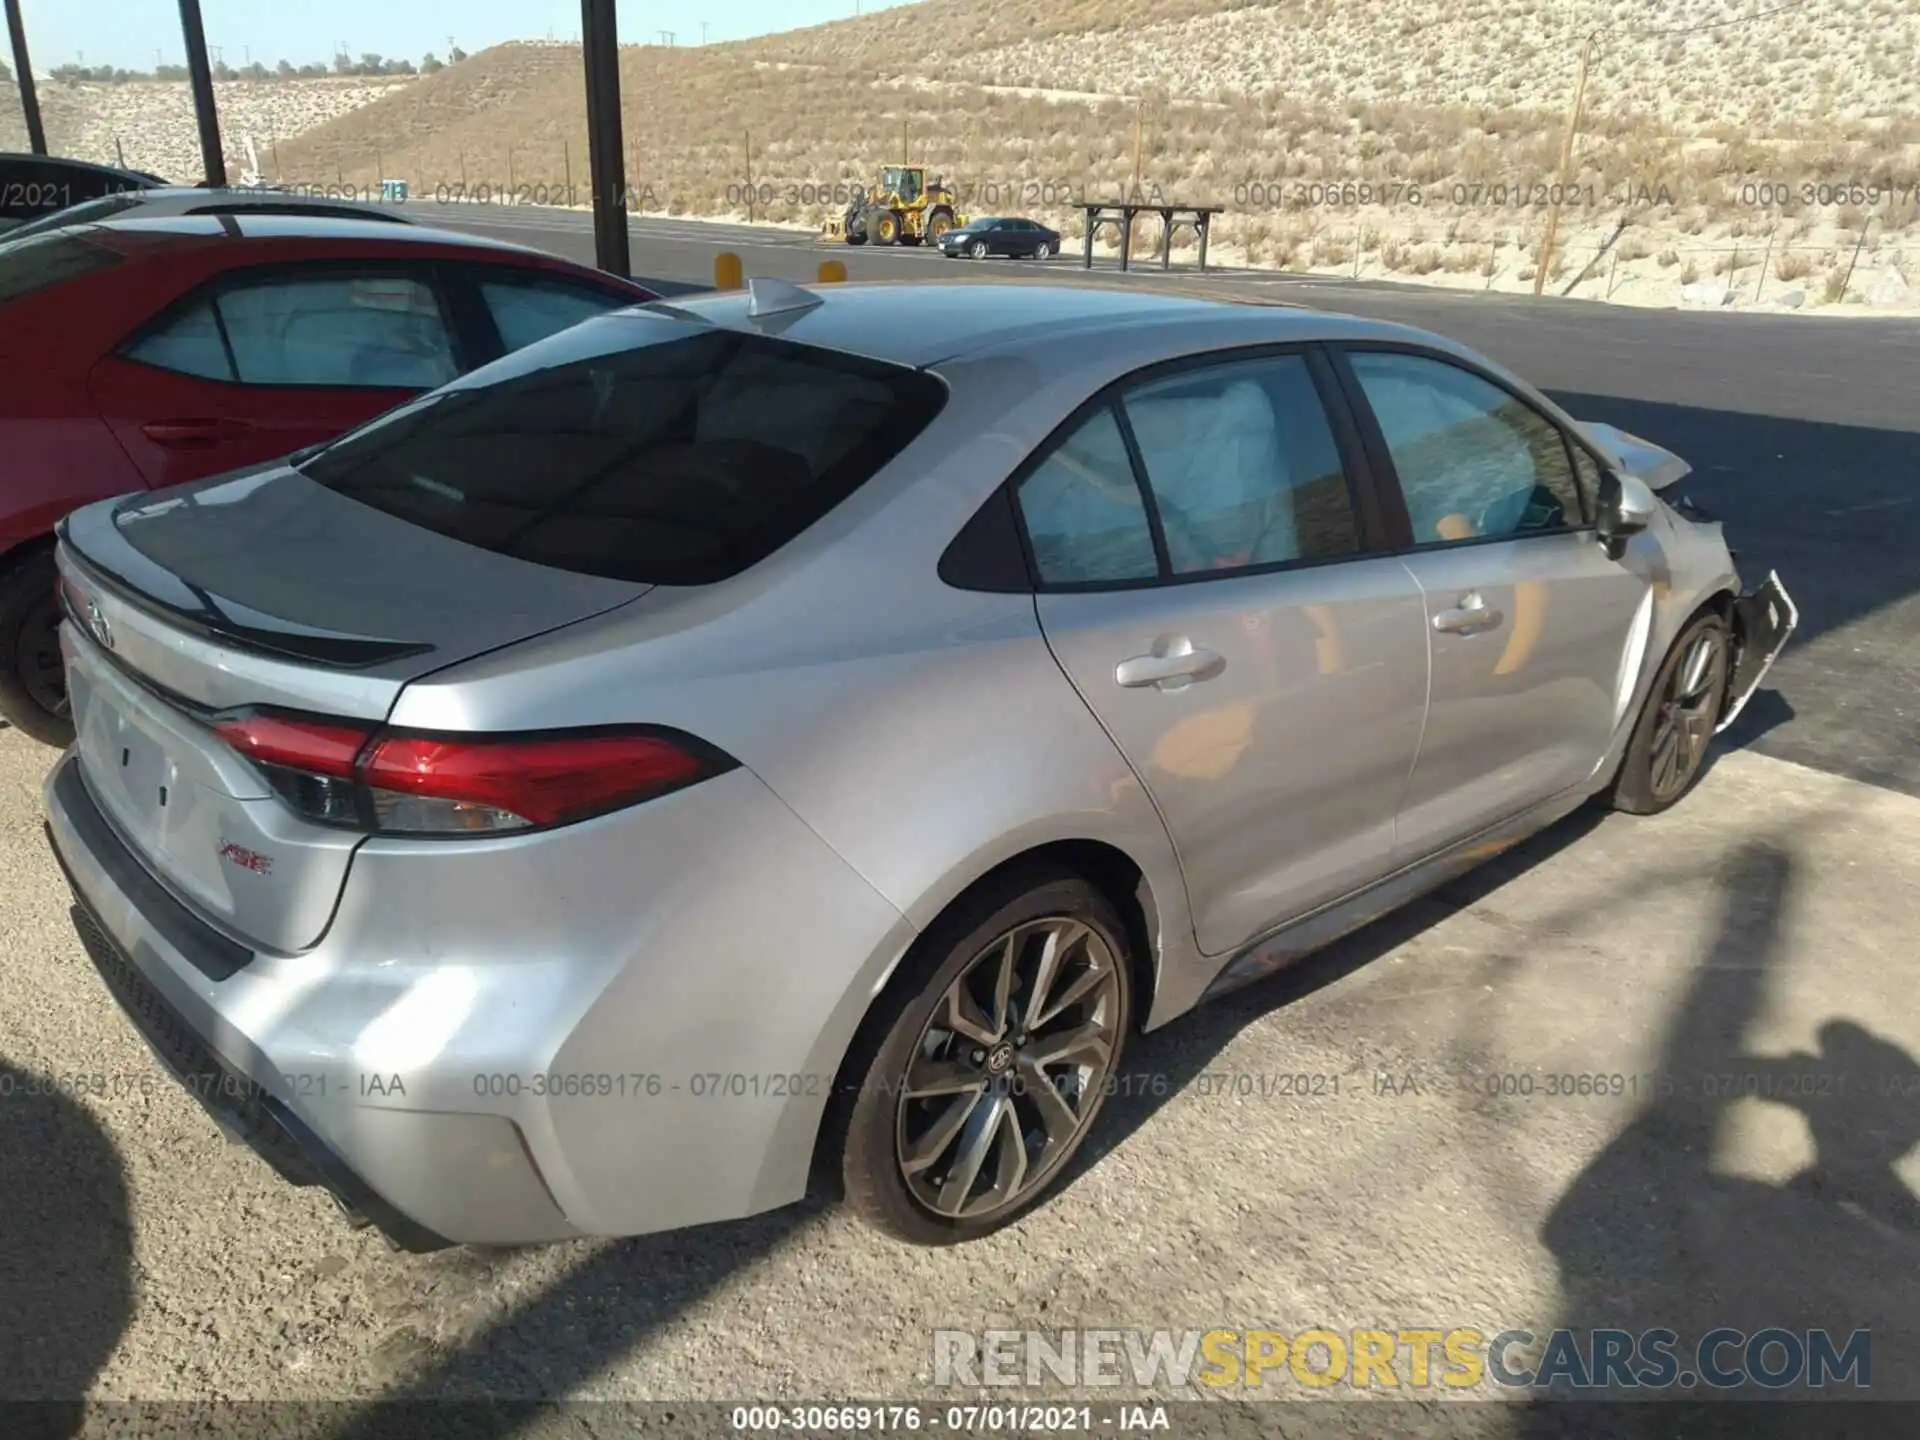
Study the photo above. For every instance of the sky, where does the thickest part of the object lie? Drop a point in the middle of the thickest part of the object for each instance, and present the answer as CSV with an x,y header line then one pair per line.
x,y
127,33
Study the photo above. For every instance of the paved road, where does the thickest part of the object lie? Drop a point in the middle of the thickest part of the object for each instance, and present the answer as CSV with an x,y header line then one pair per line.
x,y
1805,432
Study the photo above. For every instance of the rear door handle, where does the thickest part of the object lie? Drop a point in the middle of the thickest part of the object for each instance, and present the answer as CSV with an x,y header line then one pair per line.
x,y
1173,665
1469,617
193,434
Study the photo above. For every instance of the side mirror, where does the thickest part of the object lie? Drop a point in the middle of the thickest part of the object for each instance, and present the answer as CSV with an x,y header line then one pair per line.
x,y
1626,507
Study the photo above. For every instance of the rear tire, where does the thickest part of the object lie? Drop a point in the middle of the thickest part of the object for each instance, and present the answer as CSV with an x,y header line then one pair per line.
x,y
1043,251
1011,1096
1667,753
33,690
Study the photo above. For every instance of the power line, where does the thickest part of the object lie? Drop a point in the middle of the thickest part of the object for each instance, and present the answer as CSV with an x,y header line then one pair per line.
x,y
1708,25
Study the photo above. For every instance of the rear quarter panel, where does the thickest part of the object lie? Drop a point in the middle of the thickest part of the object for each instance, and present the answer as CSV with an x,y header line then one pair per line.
x,y
925,733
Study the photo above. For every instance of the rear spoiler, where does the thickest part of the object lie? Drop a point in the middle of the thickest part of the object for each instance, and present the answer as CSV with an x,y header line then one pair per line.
x,y
1660,469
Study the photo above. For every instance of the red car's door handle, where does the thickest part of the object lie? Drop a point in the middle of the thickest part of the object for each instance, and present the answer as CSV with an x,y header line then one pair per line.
x,y
193,434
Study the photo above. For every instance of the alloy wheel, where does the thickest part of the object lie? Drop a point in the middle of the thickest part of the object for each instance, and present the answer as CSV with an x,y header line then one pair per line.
x,y
41,670
1684,726
1010,1069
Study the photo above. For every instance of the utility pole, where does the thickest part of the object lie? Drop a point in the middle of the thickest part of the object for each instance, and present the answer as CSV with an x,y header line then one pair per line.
x,y
606,155
206,117
1566,163
703,32
23,77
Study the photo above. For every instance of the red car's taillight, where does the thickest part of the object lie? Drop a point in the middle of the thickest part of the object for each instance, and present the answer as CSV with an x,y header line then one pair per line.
x,y
407,783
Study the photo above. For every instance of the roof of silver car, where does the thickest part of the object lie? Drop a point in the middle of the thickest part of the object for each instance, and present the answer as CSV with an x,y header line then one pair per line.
x,y
923,322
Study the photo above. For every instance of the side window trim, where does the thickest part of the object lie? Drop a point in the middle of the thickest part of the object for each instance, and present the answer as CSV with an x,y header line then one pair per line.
x,y
471,318
1392,498
1149,502
209,291
1353,460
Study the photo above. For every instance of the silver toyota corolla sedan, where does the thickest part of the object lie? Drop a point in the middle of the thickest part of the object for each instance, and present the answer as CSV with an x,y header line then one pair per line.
x,y
799,733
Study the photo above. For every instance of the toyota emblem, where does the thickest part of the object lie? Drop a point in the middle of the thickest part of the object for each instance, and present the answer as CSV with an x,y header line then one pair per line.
x,y
97,625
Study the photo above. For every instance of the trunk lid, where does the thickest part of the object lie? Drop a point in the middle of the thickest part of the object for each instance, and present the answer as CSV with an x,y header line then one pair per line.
x,y
265,589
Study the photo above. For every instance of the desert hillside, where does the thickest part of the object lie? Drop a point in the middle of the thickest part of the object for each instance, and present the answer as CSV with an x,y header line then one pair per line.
x,y
150,125
1730,152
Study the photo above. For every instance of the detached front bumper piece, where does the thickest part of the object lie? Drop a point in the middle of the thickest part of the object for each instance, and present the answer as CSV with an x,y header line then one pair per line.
x,y
1763,619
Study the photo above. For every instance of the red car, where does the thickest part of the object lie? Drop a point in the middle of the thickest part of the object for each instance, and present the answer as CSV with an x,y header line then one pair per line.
x,y
150,352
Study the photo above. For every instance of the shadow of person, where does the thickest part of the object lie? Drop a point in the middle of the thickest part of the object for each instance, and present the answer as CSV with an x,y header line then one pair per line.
x,y
1861,1099
66,1254
1660,1232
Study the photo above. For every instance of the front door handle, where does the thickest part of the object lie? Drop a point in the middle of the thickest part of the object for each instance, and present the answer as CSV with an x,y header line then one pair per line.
x,y
1173,665
1469,617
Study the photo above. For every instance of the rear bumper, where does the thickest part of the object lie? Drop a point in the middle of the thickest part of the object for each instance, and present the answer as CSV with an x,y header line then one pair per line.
x,y
519,1041
243,1110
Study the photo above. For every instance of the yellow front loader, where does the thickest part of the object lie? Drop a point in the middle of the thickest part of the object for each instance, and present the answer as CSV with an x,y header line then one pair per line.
x,y
905,208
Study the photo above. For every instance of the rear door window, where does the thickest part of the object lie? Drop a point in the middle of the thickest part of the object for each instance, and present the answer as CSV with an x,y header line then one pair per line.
x,y
374,330
530,308
1085,516
680,457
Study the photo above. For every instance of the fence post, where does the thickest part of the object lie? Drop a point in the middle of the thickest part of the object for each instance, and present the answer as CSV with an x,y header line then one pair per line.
x,y
1765,256
510,183
1864,226
749,140
1613,272
1733,274
566,163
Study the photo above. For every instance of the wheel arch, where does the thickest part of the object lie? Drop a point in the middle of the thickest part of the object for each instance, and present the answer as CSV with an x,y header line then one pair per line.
x,y
1105,866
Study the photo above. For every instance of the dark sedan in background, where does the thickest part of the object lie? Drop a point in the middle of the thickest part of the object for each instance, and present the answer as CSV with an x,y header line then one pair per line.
x,y
34,186
139,353
1001,235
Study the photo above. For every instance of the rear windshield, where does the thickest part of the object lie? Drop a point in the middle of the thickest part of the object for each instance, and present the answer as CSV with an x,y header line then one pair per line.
x,y
43,261
678,462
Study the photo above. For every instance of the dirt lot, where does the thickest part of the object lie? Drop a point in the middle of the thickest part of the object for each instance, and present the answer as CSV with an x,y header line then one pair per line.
x,y
1763,928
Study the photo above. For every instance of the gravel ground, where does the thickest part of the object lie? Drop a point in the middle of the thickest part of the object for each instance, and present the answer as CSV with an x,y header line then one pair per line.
x,y
1770,915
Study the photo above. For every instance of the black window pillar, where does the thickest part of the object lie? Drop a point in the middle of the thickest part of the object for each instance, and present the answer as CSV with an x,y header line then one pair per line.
x,y
23,75
606,153
213,159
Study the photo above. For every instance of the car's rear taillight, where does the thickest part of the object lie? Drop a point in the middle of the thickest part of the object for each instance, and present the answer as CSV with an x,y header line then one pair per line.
x,y
400,782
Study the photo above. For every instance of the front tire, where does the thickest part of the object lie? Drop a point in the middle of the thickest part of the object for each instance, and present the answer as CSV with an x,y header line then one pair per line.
x,y
978,250
990,1058
33,684
1666,755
